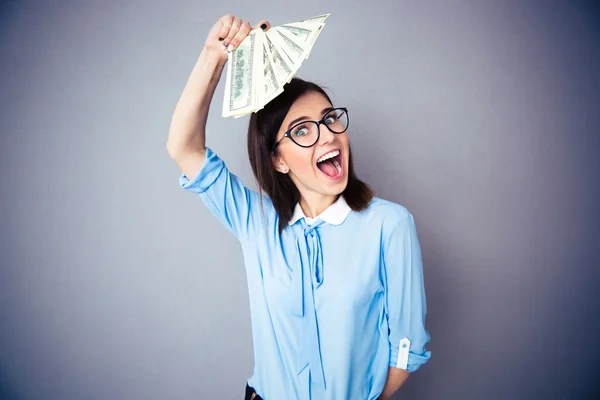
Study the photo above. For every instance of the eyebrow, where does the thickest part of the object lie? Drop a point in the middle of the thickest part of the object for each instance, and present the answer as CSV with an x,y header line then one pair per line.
x,y
292,123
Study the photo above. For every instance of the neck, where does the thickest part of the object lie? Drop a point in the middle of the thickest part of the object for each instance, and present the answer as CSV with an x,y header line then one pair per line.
x,y
313,204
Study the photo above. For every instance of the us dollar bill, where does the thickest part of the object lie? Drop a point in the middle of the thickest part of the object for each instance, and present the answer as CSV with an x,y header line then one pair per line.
x,y
281,66
271,85
301,33
306,33
241,85
319,19
264,62
294,51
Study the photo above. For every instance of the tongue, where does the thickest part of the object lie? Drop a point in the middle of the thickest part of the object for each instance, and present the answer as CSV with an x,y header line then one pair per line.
x,y
328,168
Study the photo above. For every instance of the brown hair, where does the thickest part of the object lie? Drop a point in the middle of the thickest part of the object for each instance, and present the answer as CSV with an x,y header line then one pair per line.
x,y
262,132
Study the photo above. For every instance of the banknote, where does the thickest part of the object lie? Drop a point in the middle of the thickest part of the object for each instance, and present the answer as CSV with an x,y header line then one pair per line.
x,y
293,50
301,33
282,68
242,77
259,68
304,33
316,19
272,86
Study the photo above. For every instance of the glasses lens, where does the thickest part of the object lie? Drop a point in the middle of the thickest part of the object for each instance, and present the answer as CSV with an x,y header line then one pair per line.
x,y
305,134
337,120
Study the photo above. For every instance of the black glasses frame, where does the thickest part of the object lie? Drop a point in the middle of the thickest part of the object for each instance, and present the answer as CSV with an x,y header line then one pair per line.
x,y
322,121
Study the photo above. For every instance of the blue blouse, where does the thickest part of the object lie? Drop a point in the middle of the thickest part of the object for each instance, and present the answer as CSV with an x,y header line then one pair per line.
x,y
334,302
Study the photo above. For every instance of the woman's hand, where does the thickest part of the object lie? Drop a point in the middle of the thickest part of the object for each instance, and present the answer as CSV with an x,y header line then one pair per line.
x,y
227,34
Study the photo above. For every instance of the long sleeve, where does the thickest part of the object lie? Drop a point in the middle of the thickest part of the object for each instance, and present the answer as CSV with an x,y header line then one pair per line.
x,y
224,195
405,293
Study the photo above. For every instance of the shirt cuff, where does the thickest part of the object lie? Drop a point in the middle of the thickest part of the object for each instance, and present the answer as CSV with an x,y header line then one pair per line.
x,y
415,361
206,176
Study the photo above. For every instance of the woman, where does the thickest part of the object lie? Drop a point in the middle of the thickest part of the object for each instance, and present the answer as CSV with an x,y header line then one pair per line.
x,y
334,274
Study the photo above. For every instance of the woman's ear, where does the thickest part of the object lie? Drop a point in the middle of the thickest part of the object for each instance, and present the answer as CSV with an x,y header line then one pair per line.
x,y
279,164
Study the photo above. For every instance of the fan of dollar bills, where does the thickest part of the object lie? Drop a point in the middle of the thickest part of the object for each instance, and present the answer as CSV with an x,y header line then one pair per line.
x,y
264,62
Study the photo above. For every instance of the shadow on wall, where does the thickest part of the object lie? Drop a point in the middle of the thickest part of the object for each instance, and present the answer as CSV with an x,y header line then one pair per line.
x,y
7,391
8,14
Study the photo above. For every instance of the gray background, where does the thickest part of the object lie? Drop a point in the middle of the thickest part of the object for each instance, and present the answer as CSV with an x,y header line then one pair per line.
x,y
482,117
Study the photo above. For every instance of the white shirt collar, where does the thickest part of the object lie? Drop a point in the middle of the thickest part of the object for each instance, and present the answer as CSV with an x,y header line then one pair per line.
x,y
335,214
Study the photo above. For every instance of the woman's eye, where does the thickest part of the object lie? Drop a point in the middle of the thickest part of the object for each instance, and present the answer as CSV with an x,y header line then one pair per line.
x,y
300,132
330,119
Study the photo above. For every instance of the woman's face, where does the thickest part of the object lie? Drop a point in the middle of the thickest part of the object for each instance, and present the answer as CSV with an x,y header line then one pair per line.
x,y
311,177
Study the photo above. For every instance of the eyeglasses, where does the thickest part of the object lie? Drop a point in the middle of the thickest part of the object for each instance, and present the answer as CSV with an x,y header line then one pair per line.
x,y
307,133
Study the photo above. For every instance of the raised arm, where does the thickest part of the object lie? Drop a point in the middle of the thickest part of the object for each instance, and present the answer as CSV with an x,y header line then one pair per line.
x,y
186,141
203,171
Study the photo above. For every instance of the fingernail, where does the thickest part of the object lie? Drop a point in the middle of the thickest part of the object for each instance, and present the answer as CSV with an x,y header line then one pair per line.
x,y
221,39
230,48
263,26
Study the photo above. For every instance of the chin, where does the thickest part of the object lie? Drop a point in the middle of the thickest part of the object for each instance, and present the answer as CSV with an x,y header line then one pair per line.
x,y
336,188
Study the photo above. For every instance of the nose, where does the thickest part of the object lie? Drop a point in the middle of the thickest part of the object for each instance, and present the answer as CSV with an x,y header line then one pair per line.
x,y
325,135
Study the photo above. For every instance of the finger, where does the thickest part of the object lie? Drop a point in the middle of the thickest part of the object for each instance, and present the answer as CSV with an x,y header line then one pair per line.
x,y
226,21
264,25
235,27
240,36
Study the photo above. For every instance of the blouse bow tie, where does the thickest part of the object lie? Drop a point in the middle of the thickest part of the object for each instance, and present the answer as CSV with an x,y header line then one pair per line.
x,y
306,277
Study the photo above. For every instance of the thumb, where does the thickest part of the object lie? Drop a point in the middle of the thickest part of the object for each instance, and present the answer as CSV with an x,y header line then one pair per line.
x,y
264,25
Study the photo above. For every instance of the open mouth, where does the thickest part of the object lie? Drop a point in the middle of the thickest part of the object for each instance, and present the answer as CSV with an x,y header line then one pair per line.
x,y
330,164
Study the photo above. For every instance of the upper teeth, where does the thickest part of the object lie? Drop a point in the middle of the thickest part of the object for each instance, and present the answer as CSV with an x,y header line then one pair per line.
x,y
329,155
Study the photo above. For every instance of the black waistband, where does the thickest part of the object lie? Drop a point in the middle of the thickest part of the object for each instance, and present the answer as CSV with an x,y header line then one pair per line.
x,y
251,394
